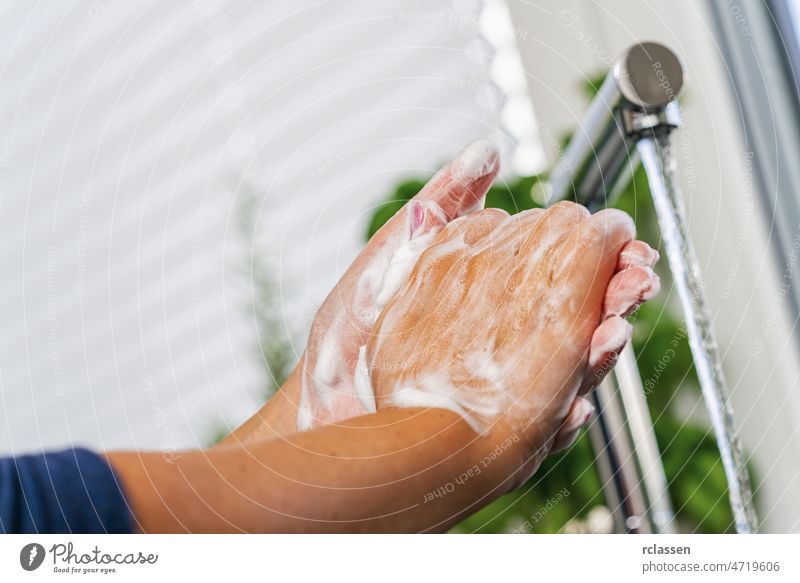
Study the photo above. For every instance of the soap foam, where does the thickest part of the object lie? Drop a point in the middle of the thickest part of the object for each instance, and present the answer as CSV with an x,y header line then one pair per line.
x,y
378,283
400,265
482,366
475,160
305,419
407,397
362,382
326,371
477,407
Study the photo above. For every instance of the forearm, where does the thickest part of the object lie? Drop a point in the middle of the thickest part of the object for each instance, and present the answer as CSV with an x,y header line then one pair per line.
x,y
399,470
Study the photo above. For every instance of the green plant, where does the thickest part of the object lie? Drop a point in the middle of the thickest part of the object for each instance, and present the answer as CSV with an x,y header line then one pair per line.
x,y
273,346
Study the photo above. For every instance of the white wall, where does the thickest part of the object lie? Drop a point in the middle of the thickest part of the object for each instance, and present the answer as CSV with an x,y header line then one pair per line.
x,y
127,128
563,43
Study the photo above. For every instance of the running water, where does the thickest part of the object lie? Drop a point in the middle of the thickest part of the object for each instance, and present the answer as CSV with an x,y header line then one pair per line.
x,y
659,164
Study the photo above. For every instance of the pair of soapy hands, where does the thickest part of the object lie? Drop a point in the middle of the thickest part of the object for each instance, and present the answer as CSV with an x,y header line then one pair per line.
x,y
507,320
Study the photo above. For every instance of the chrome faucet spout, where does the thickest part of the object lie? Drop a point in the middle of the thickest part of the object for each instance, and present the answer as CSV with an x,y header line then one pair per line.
x,y
637,98
634,111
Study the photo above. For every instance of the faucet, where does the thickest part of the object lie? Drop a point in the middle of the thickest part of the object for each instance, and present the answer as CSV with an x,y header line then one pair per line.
x,y
631,119
636,99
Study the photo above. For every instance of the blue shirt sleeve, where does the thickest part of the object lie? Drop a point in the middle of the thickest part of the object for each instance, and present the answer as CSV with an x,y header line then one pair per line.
x,y
70,491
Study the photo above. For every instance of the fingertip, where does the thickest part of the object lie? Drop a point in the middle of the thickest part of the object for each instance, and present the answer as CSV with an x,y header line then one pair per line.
x,y
476,160
616,224
655,287
628,289
608,340
582,411
461,185
637,254
567,208
579,415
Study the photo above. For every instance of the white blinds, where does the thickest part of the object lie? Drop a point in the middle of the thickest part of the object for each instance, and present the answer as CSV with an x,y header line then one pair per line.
x,y
126,132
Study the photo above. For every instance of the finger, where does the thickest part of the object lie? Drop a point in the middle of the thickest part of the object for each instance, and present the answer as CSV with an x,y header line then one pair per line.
x,y
460,187
637,254
607,342
457,189
516,228
579,265
423,217
522,222
538,253
551,229
459,236
579,415
589,258
609,231
473,227
574,280
628,289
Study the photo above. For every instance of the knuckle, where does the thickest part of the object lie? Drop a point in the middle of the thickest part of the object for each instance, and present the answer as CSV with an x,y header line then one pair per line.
x,y
564,205
615,221
566,215
494,214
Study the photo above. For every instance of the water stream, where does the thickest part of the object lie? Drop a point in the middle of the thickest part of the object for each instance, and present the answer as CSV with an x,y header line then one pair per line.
x,y
659,163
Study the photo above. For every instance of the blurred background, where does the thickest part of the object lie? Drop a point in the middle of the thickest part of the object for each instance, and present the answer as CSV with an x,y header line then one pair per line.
x,y
182,183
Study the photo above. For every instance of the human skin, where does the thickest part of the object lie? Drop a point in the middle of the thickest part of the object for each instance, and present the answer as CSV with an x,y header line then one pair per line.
x,y
376,473
379,472
458,190
504,320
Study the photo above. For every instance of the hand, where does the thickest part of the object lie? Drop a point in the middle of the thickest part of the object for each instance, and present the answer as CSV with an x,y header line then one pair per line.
x,y
323,387
505,320
329,390
633,283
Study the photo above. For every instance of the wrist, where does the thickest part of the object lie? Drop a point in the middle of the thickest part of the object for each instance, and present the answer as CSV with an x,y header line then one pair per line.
x,y
520,454
279,415
503,455
277,418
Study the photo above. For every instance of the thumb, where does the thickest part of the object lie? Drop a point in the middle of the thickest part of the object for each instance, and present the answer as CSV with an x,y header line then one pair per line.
x,y
456,189
460,186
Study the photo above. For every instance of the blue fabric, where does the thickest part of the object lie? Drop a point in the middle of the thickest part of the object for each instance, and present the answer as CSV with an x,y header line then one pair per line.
x,y
70,491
